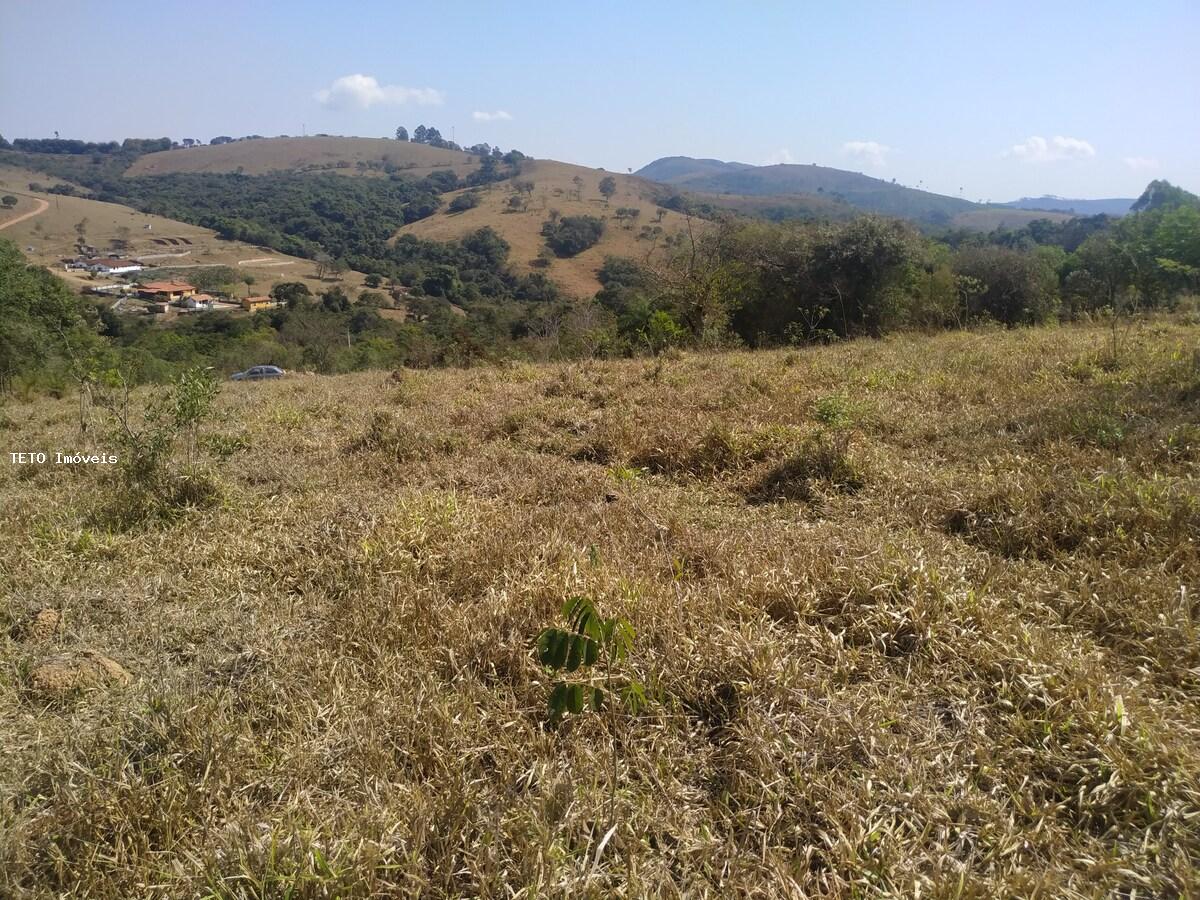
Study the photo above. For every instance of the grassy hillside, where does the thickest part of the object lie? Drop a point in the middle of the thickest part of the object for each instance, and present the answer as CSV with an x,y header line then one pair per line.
x,y
1112,207
49,236
917,616
554,189
780,207
346,155
988,218
873,194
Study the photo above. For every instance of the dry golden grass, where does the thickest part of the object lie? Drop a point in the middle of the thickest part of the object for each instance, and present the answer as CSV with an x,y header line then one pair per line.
x,y
52,236
259,157
919,614
554,187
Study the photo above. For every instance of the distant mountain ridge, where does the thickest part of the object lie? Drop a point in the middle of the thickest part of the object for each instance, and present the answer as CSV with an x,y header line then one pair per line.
x,y
714,176
1116,206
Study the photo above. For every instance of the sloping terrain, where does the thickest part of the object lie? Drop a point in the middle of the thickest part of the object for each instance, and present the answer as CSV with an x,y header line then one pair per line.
x,y
554,188
987,218
1116,206
873,194
916,617
345,155
50,236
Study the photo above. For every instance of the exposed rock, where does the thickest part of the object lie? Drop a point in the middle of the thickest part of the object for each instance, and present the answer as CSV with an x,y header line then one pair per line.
x,y
81,670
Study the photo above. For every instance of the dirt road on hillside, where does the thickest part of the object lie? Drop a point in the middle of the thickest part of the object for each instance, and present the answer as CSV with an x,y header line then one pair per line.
x,y
29,215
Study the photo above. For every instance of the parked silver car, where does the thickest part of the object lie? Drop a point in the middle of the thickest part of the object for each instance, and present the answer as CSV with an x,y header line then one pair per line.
x,y
257,373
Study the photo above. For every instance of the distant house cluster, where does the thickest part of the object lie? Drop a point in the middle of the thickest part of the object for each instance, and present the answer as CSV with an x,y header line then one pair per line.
x,y
159,297
104,265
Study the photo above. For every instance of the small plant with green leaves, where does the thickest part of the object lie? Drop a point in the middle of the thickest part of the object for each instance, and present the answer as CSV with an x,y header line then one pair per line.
x,y
586,655
592,646
625,475
834,411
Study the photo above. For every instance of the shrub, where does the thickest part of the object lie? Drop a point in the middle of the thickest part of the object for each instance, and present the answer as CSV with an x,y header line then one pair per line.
x,y
463,202
152,482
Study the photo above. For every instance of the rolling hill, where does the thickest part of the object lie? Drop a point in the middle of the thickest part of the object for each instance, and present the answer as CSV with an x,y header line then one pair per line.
x,y
1116,206
48,236
715,177
554,188
345,155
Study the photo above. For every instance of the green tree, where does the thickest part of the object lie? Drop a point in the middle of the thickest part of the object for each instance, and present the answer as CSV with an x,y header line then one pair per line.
x,y
9,201
704,281
1018,288
571,235
608,187
402,133
291,293
463,202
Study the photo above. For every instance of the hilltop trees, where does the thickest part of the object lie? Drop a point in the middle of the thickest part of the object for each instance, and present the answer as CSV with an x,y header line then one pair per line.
x,y
402,133
432,137
1160,194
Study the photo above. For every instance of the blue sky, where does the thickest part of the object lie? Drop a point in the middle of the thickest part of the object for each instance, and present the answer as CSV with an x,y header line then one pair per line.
x,y
1000,100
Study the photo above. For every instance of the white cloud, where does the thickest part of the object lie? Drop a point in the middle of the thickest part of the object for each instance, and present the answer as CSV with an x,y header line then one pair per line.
x,y
1140,163
497,116
364,91
780,157
1039,150
873,153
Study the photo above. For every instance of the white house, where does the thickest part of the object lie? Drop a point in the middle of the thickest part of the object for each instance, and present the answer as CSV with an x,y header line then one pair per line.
x,y
112,266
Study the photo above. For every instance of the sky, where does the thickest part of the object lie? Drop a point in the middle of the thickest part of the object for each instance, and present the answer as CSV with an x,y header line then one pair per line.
x,y
980,99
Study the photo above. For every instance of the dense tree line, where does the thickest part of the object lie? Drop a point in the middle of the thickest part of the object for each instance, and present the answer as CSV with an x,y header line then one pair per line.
x,y
765,283
41,322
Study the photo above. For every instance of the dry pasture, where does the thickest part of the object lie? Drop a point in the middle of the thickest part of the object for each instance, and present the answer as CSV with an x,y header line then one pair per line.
x,y
263,155
919,618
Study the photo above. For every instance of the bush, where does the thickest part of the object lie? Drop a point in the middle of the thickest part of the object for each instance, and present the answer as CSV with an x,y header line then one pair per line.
x,y
572,235
1017,288
463,202
152,482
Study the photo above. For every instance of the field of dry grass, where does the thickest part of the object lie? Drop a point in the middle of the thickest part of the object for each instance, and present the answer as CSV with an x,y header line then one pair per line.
x,y
555,188
260,156
167,242
994,217
918,617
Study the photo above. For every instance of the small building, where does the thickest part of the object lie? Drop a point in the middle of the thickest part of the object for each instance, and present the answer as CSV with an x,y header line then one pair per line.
x,y
254,304
166,291
112,266
200,301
